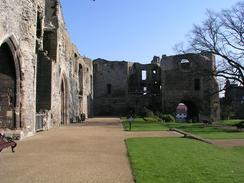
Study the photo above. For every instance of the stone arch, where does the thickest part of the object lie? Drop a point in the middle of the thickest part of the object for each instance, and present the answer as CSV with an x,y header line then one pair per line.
x,y
64,108
10,81
193,108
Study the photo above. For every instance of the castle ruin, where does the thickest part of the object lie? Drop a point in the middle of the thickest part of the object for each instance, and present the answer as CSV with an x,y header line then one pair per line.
x,y
46,83
160,86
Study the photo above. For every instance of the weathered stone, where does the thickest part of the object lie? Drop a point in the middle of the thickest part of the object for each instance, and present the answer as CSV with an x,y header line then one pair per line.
x,y
120,87
44,60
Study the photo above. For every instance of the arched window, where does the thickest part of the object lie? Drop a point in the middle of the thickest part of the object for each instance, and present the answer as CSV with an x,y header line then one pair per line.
x,y
184,61
185,64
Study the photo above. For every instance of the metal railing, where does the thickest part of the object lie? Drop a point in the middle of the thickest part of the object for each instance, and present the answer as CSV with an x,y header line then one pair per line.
x,y
39,121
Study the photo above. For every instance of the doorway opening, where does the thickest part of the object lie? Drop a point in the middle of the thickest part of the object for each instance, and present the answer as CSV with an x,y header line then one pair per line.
x,y
192,113
8,88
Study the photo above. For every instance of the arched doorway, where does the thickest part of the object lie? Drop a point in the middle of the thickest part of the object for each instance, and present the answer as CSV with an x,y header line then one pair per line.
x,y
181,112
192,110
64,113
9,91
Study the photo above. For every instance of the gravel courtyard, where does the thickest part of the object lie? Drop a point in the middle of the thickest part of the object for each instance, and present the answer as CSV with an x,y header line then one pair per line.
x,y
94,152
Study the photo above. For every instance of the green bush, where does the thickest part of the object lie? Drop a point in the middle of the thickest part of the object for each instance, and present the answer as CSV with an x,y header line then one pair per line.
x,y
148,112
157,113
167,118
240,125
154,119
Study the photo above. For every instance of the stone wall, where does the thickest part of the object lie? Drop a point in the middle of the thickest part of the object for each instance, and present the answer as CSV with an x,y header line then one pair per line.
x,y
187,79
232,105
144,87
86,87
120,86
47,82
110,87
18,30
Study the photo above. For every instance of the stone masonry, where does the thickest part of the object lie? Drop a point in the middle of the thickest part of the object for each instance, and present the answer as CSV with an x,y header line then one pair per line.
x,y
47,82
120,87
187,79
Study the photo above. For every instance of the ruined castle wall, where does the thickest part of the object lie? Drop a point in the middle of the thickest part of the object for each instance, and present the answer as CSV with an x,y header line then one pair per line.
x,y
18,24
67,67
84,81
110,87
87,88
144,87
186,79
62,75
120,88
48,81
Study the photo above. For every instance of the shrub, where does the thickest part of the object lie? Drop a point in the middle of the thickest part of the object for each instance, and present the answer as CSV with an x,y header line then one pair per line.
x,y
167,118
148,112
154,119
240,125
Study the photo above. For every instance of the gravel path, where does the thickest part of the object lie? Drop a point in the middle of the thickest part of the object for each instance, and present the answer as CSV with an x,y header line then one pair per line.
x,y
229,142
70,154
91,153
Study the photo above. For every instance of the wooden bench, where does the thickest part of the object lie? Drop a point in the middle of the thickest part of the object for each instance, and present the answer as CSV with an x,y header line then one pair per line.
x,y
6,142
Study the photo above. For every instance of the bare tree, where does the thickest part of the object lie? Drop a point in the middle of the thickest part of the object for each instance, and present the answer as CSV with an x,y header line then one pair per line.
x,y
222,34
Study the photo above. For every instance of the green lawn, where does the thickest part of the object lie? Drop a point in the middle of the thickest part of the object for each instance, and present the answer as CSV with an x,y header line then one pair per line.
x,y
239,149
180,160
139,124
204,131
209,132
231,122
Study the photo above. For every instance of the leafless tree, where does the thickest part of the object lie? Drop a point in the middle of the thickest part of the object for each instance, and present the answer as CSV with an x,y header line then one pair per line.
x,y
222,34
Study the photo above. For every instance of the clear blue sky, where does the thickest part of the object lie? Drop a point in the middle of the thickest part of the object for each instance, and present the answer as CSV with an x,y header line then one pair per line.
x,y
133,30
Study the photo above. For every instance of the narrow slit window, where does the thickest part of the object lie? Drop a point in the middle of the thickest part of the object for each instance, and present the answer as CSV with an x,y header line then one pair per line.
x,y
109,89
197,84
143,75
81,79
38,25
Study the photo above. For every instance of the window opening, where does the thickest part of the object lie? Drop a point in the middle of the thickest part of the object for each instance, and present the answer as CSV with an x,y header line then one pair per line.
x,y
143,75
197,84
109,89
